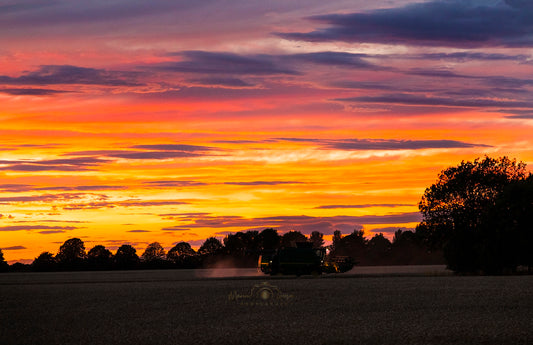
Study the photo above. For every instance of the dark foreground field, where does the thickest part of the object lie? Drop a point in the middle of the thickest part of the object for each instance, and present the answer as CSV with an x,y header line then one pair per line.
x,y
188,307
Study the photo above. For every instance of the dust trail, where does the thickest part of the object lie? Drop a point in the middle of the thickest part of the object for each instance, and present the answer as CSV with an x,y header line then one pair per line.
x,y
226,268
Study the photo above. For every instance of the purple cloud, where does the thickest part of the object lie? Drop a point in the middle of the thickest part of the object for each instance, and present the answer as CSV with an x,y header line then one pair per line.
x,y
42,198
455,23
36,227
410,99
327,207
385,144
262,183
214,63
305,224
70,164
31,92
172,183
67,74
14,248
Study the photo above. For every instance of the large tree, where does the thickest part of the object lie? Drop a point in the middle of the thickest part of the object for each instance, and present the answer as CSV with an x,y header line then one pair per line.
x,y
378,249
182,254
126,257
269,239
317,238
44,262
238,244
352,245
211,246
455,208
154,253
99,258
508,240
71,255
289,239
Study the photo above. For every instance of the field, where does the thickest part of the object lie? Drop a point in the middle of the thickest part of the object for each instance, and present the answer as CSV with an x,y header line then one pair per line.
x,y
372,306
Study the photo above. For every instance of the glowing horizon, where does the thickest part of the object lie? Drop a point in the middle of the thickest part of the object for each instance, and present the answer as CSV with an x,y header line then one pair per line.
x,y
129,123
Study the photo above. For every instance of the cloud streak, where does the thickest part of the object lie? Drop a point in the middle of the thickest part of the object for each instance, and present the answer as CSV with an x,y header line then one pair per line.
x,y
305,224
451,23
70,164
384,144
42,229
72,75
330,207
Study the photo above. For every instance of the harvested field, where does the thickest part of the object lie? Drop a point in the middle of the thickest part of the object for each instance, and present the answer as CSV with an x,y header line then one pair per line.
x,y
186,307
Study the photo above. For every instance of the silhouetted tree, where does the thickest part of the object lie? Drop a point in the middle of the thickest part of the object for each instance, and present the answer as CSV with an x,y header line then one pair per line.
x,y
154,255
337,236
3,264
211,246
20,267
269,239
253,243
407,248
508,230
455,207
45,262
352,245
317,238
243,247
378,249
237,244
126,257
99,258
292,237
71,255
516,210
182,255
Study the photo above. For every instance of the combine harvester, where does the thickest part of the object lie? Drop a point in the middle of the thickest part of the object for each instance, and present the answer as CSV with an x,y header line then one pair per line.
x,y
303,259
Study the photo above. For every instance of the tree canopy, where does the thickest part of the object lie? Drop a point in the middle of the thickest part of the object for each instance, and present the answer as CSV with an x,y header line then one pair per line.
x,y
154,252
44,262
126,257
289,239
211,246
455,209
99,258
71,254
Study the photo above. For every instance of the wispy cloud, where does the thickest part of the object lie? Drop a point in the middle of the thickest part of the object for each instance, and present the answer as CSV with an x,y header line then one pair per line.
x,y
173,183
124,203
384,144
69,164
327,207
42,229
31,92
14,248
146,152
410,99
213,63
305,224
262,183
75,75
47,198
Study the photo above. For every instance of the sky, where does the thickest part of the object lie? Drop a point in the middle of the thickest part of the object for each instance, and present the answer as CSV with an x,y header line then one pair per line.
x,y
130,122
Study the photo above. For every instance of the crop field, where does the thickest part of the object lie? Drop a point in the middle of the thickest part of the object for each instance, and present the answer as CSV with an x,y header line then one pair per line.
x,y
242,307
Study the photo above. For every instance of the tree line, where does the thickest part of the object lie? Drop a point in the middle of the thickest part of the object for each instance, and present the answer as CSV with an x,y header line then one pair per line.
x,y
241,249
477,218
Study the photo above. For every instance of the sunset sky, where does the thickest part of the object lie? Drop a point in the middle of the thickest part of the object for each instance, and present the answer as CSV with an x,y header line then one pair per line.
x,y
129,121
